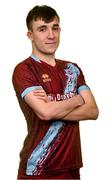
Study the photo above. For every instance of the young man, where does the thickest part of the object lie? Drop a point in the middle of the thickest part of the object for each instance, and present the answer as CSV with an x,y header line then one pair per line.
x,y
54,97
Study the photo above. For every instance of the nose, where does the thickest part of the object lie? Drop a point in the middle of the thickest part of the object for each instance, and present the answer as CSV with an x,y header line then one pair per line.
x,y
50,34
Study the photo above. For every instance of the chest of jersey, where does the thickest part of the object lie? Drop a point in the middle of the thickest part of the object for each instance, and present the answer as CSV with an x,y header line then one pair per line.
x,y
59,82
50,78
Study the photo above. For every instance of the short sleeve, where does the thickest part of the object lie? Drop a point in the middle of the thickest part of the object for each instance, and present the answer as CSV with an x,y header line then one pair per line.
x,y
81,83
24,81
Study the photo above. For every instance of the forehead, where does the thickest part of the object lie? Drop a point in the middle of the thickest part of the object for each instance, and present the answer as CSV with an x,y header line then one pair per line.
x,y
40,22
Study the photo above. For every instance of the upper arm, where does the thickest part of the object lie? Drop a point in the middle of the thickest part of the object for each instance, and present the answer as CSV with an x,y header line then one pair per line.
x,y
24,83
88,97
90,106
39,106
84,90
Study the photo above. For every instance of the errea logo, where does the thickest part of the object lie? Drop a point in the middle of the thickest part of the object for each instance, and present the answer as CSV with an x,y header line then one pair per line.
x,y
46,78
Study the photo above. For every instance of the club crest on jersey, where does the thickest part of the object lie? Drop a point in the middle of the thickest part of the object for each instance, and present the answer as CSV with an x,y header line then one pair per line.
x,y
46,78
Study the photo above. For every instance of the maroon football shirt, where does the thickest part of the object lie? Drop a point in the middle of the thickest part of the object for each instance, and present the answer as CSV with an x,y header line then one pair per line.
x,y
49,145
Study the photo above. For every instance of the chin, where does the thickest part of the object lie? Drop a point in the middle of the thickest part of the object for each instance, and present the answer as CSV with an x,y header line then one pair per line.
x,y
50,52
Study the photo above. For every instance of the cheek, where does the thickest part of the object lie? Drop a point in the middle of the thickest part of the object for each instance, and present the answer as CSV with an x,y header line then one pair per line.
x,y
38,42
39,38
58,36
36,39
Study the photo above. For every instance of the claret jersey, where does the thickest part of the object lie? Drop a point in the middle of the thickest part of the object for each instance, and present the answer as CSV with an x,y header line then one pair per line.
x,y
49,145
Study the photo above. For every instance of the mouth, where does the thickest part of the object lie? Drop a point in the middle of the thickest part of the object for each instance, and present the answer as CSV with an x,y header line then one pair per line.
x,y
51,43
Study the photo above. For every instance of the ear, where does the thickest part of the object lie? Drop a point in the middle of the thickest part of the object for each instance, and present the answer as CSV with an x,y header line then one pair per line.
x,y
30,35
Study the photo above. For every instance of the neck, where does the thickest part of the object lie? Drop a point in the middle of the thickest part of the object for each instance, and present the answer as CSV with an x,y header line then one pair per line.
x,y
48,58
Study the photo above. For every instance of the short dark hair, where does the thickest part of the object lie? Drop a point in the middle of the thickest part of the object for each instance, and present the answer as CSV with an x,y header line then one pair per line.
x,y
44,12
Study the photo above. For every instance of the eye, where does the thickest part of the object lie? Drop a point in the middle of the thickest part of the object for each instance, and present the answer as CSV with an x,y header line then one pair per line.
x,y
56,28
42,29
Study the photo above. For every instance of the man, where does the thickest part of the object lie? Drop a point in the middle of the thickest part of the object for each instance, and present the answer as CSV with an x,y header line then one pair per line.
x,y
54,97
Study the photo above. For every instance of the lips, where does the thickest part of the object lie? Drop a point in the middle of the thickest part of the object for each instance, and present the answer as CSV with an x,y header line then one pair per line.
x,y
51,43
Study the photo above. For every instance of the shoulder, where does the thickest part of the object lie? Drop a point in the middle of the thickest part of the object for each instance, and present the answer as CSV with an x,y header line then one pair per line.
x,y
24,67
23,64
66,62
69,65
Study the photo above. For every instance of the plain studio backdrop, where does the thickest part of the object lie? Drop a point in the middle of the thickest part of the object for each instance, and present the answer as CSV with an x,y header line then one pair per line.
x,y
85,39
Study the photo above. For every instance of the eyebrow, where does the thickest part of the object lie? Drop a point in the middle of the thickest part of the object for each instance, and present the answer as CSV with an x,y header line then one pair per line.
x,y
55,24
43,26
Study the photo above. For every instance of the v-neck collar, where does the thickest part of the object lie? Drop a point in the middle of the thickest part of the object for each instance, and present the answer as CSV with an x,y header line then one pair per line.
x,y
35,58
40,61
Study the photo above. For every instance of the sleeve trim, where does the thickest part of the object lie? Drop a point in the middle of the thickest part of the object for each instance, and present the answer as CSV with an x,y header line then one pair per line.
x,y
29,89
83,87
